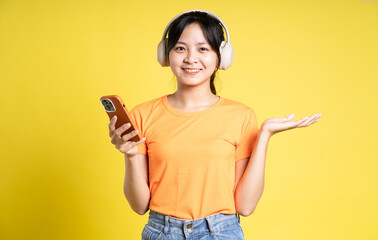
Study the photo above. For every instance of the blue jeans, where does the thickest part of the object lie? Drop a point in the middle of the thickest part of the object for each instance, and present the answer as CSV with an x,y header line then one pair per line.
x,y
218,226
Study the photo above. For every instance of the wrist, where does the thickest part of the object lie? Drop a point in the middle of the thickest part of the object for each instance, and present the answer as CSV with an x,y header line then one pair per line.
x,y
263,133
129,158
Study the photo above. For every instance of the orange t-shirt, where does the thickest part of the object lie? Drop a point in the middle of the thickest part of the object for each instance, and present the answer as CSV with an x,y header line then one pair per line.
x,y
191,156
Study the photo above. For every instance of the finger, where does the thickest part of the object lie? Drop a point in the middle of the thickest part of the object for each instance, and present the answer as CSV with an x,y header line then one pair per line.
x,y
117,133
315,117
130,135
285,119
111,125
314,120
290,116
300,121
138,142
277,119
307,121
130,145
133,144
124,147
127,137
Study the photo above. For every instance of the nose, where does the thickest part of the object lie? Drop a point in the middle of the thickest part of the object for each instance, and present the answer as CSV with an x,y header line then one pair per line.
x,y
191,57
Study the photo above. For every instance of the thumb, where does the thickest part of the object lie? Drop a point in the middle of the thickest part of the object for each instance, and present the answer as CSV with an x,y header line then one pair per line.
x,y
290,116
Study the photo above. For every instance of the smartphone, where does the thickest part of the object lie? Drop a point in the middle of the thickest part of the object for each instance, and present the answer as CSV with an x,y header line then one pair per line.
x,y
114,105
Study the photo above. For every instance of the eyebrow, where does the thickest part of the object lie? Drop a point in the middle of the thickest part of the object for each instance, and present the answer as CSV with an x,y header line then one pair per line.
x,y
199,43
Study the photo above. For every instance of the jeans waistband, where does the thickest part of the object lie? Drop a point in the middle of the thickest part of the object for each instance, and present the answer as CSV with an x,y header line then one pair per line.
x,y
214,223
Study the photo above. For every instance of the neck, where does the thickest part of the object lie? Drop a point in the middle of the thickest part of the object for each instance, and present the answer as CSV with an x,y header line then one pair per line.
x,y
192,97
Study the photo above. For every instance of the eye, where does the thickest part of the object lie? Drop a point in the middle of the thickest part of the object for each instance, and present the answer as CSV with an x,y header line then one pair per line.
x,y
203,49
179,49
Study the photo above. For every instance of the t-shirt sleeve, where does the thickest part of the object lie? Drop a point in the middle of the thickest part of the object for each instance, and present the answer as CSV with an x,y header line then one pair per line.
x,y
248,136
137,120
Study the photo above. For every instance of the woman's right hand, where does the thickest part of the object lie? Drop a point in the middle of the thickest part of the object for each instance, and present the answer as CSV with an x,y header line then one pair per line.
x,y
129,148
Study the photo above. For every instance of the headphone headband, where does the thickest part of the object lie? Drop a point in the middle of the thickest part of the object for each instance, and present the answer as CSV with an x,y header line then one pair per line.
x,y
198,10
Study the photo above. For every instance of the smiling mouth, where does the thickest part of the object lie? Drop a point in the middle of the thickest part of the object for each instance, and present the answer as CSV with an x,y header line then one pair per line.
x,y
191,70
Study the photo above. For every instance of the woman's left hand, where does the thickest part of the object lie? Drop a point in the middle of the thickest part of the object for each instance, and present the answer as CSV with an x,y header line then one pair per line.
x,y
274,125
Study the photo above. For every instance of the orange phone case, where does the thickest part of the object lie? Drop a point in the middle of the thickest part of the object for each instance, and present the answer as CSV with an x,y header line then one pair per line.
x,y
114,105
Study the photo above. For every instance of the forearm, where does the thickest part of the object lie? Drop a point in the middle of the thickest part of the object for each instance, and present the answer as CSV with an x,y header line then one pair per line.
x,y
135,187
251,185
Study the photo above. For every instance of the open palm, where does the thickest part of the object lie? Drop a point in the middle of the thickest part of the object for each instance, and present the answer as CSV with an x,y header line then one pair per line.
x,y
275,125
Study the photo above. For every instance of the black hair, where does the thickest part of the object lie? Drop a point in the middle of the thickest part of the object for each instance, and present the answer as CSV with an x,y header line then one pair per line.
x,y
211,27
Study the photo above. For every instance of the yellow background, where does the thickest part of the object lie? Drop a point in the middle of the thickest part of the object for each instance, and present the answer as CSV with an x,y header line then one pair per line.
x,y
61,178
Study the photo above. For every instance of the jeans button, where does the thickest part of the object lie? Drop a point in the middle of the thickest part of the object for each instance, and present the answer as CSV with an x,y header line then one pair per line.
x,y
189,225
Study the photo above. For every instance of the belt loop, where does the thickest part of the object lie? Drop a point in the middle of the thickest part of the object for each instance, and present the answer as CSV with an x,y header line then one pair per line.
x,y
210,225
237,215
166,225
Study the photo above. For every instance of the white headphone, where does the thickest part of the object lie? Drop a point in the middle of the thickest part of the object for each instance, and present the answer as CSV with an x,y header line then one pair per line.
x,y
226,50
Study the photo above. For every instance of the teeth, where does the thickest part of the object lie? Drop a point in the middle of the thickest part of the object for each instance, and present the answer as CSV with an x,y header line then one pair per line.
x,y
191,70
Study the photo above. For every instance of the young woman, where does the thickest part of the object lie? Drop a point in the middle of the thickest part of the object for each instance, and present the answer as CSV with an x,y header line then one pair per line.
x,y
201,161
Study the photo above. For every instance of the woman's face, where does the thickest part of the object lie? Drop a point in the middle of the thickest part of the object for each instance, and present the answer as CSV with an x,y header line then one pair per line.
x,y
192,59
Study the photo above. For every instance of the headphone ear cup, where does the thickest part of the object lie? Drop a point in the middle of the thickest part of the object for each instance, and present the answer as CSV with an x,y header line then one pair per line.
x,y
227,55
161,53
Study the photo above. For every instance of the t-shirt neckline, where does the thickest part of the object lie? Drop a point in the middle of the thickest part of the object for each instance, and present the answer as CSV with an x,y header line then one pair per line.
x,y
189,114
